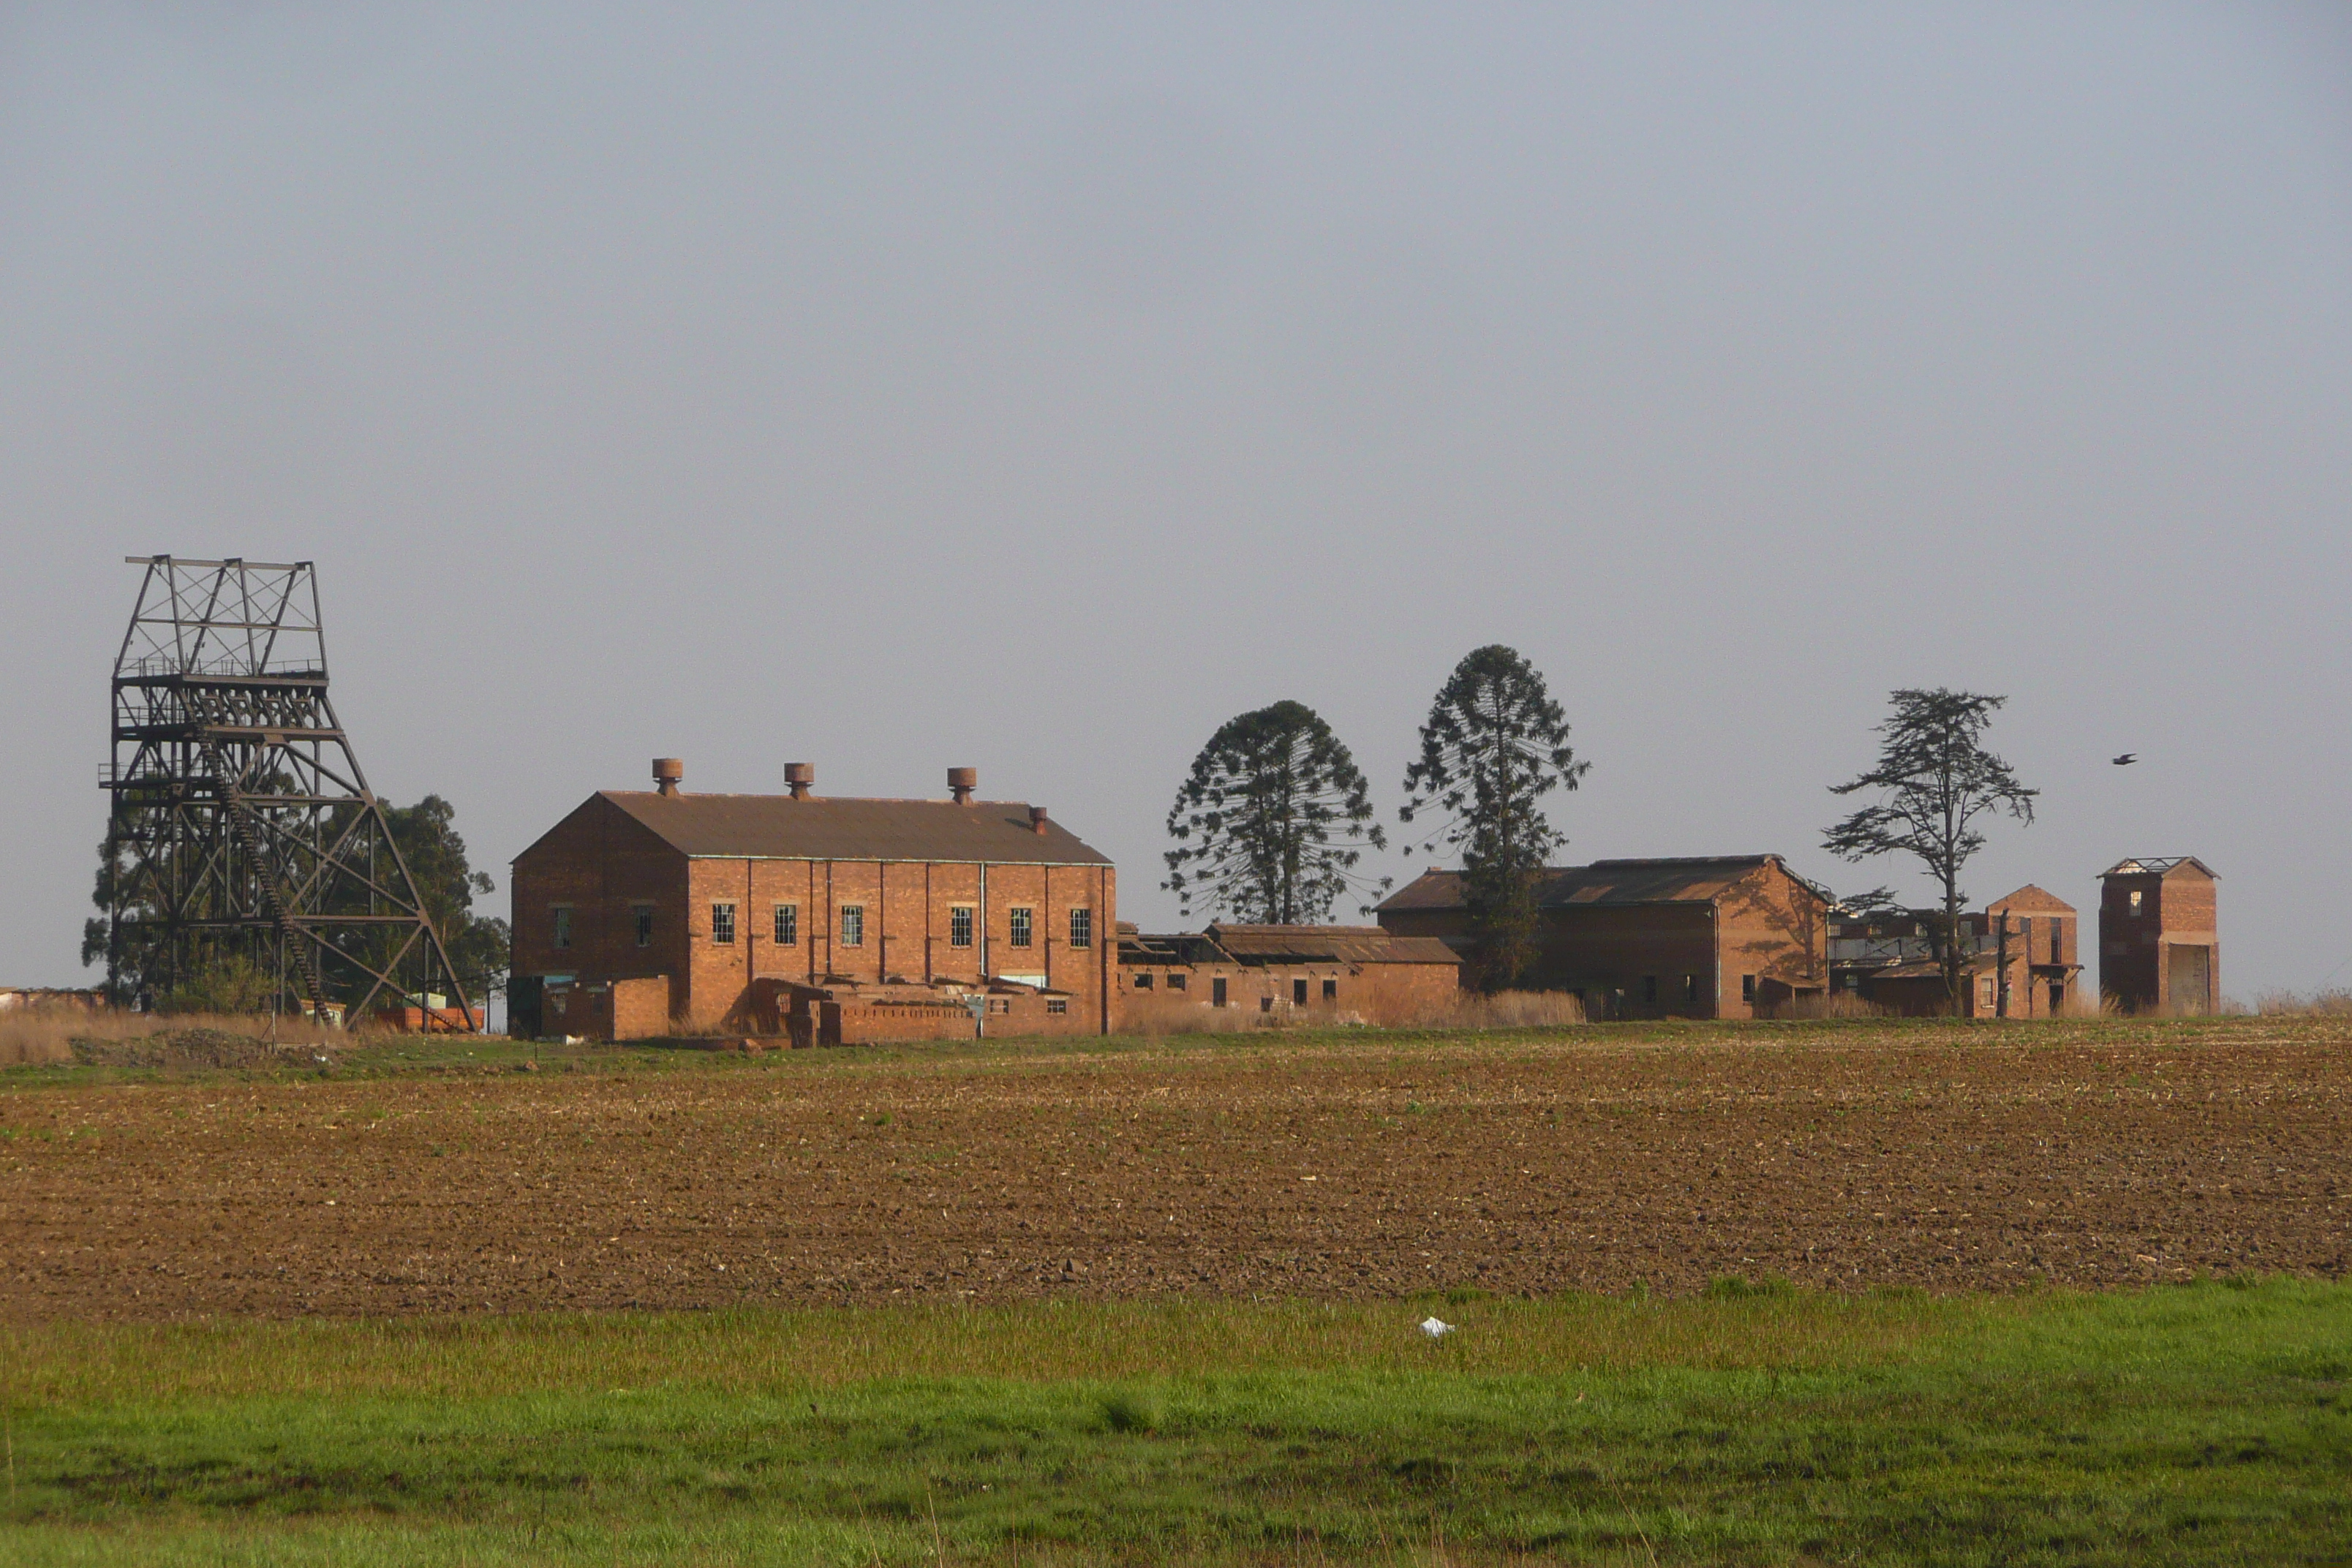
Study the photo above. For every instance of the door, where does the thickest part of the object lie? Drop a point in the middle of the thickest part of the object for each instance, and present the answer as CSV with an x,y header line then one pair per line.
x,y
2190,980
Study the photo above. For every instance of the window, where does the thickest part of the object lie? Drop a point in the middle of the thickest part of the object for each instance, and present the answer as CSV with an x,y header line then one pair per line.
x,y
1082,928
1058,1003
1690,988
959,926
722,924
645,913
1649,991
1175,981
1330,991
2135,901
1142,980
1747,988
1266,1004
563,925
1024,920
788,925
1298,993
1217,992
853,925
1984,992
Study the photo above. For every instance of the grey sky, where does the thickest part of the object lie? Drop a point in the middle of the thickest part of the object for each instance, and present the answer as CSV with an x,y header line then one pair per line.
x,y
1036,388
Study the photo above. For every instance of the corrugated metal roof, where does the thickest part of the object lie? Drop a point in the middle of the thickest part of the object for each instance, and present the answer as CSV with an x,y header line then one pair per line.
x,y
1691,880
778,827
1327,945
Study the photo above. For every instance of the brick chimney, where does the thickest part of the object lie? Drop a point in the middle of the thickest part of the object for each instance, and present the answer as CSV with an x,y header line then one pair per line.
x,y
1037,820
800,777
668,773
962,782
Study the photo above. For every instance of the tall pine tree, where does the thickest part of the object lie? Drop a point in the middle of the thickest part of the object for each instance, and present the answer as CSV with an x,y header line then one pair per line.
x,y
1271,822
1494,746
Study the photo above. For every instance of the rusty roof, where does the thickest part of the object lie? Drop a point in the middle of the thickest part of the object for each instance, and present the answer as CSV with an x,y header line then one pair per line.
x,y
2029,896
1327,945
2157,866
778,827
1697,880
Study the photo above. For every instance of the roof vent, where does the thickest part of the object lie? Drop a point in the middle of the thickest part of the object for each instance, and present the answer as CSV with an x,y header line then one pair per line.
x,y
1037,820
668,773
962,782
800,777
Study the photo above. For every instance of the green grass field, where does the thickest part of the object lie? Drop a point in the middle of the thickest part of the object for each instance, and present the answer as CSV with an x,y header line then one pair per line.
x,y
2202,1423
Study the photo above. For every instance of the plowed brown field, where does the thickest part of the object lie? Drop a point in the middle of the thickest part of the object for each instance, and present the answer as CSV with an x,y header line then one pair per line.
x,y
1843,1157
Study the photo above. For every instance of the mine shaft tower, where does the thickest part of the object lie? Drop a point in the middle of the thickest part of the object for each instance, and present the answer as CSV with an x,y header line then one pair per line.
x,y
241,823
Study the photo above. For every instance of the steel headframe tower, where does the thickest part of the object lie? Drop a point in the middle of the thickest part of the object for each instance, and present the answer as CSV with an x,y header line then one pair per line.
x,y
241,822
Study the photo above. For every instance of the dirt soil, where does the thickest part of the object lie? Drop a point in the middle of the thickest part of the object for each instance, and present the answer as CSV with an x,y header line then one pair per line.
x,y
191,1049
1843,1157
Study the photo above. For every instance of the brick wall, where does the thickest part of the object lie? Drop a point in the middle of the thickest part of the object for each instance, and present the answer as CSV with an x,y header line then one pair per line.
x,y
906,930
603,866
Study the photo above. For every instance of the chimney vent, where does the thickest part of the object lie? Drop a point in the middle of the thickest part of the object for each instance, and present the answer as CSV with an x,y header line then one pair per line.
x,y
668,773
800,777
962,782
1037,820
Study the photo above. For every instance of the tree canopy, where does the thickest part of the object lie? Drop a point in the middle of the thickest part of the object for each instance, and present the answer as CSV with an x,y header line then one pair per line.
x,y
1272,821
1494,746
1936,781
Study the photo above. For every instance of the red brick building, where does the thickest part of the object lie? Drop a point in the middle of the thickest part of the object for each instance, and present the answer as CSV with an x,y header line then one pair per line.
x,y
2159,942
1890,959
1340,974
1722,937
644,913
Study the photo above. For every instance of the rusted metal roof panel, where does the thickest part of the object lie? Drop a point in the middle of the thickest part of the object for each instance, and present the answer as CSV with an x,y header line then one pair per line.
x,y
1693,880
1327,945
778,827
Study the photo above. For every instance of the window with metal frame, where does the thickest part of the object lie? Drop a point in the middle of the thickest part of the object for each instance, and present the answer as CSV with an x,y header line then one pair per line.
x,y
563,925
853,925
1082,928
645,913
788,925
1021,921
959,926
722,924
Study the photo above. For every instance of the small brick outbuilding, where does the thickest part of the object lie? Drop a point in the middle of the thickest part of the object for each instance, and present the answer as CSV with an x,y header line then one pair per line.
x,y
1339,973
2159,940
648,912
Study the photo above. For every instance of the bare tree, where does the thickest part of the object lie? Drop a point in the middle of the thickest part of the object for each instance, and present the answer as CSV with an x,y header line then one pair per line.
x,y
1935,780
1494,746
1266,825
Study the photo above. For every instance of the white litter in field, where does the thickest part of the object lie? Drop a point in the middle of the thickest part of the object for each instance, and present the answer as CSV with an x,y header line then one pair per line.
x,y
1436,1327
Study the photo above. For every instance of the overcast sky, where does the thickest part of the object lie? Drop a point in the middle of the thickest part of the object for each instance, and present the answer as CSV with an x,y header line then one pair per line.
x,y
900,387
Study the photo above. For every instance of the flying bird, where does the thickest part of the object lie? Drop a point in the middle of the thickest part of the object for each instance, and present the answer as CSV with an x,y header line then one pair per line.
x,y
2127,760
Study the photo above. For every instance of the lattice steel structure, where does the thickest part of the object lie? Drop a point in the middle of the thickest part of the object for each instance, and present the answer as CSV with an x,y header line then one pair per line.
x,y
241,822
